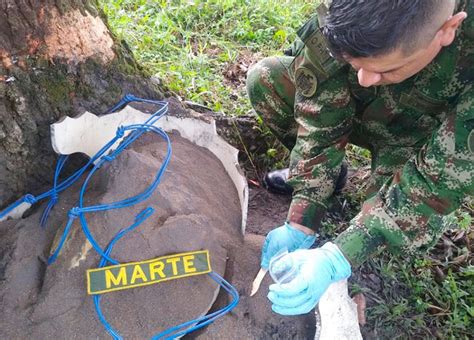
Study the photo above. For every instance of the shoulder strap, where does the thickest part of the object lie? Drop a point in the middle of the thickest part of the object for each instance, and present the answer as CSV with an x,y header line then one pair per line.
x,y
468,25
316,46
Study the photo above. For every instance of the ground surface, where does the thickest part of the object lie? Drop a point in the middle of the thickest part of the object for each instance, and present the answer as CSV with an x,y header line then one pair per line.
x,y
50,301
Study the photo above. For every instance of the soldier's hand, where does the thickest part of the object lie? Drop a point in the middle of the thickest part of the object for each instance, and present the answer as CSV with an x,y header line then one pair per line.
x,y
315,269
282,238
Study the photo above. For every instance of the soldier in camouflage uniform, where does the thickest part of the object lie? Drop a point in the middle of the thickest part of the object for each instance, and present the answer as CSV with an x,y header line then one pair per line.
x,y
410,103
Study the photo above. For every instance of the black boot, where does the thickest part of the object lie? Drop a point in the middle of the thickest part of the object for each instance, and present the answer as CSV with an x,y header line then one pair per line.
x,y
275,181
342,179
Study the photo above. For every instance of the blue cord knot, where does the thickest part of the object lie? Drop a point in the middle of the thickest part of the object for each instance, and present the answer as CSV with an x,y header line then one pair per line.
x,y
74,212
54,198
52,202
129,98
120,132
109,158
29,199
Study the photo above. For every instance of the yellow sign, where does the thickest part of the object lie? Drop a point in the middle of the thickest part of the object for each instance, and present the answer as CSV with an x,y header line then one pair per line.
x,y
137,274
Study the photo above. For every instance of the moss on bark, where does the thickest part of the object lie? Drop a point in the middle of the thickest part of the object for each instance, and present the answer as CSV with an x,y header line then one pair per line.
x,y
35,92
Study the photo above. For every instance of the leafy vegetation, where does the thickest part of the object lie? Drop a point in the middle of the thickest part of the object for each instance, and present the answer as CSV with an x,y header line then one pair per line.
x,y
201,50
191,44
423,297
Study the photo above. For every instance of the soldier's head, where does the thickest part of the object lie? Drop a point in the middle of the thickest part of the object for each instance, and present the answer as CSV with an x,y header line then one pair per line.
x,y
388,41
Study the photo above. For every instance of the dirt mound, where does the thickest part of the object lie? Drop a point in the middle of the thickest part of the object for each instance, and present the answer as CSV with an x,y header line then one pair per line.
x,y
196,207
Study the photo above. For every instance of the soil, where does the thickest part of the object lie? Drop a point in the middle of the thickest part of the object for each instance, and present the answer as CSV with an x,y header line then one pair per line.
x,y
235,73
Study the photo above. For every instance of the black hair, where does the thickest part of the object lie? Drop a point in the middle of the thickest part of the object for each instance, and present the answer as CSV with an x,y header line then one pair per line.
x,y
370,28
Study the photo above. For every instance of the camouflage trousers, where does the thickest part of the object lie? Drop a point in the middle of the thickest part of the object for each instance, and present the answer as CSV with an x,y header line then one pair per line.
x,y
271,91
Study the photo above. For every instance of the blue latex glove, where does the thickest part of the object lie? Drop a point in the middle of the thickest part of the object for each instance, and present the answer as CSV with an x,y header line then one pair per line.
x,y
316,269
285,237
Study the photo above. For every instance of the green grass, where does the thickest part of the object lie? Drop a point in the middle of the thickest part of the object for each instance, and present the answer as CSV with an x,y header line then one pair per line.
x,y
190,44
421,297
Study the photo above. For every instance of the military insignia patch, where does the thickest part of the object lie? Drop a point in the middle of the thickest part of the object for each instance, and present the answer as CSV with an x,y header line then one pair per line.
x,y
138,274
306,82
470,142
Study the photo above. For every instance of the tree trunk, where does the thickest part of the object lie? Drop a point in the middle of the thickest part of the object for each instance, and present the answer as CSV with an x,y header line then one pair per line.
x,y
57,57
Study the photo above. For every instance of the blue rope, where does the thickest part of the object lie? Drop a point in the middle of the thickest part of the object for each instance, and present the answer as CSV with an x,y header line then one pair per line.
x,y
54,193
206,319
136,130
81,210
59,187
28,198
103,262
167,334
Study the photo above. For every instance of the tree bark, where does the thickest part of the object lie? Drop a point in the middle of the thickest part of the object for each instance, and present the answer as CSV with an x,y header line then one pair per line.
x,y
57,57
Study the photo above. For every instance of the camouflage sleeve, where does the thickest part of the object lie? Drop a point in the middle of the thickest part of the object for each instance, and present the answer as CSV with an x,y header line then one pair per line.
x,y
432,183
324,120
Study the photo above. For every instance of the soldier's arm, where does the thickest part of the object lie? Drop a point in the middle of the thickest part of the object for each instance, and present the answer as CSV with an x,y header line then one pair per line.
x,y
432,183
325,121
323,110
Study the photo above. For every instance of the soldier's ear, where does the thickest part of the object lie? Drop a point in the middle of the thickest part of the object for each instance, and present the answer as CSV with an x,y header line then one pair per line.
x,y
447,32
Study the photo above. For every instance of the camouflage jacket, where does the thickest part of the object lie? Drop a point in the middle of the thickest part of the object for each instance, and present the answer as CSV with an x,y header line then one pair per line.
x,y
420,133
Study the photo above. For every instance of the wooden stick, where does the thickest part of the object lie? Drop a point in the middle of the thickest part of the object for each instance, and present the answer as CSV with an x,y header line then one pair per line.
x,y
258,281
